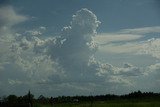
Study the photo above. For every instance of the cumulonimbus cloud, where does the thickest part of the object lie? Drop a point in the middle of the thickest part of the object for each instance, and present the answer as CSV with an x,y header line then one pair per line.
x,y
75,45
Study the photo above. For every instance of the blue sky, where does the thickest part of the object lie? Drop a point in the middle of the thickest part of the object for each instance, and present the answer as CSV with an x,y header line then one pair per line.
x,y
78,47
114,14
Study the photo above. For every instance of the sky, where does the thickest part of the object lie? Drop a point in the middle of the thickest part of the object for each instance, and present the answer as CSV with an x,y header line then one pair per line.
x,y
79,47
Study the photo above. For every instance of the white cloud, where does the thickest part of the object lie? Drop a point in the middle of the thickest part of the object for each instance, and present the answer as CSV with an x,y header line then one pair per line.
x,y
114,76
151,47
42,28
126,71
8,18
35,32
36,60
141,31
119,42
105,38
13,82
153,70
119,80
66,61
74,52
85,22
130,70
130,41
19,64
129,48
73,48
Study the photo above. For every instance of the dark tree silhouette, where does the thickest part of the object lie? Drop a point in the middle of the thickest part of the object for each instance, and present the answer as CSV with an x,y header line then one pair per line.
x,y
30,99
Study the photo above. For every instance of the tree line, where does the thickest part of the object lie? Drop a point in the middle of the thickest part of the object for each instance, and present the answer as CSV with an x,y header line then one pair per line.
x,y
28,99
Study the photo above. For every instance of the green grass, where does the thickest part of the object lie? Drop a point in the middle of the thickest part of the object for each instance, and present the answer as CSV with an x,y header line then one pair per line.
x,y
105,104
41,105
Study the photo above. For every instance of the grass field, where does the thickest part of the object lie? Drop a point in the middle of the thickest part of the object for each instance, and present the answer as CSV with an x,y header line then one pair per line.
x,y
105,104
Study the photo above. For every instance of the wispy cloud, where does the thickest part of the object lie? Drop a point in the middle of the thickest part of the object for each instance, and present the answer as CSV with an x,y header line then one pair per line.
x,y
8,17
131,41
106,38
130,48
141,31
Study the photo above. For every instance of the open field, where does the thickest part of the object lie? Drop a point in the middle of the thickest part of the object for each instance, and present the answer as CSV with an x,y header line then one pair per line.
x,y
104,104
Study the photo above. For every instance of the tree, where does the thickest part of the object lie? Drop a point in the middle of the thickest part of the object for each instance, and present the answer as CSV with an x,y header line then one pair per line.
x,y
30,99
12,99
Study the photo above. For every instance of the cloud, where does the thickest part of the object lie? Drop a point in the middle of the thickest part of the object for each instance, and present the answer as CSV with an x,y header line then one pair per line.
x,y
126,71
148,47
116,75
67,61
151,47
151,78
142,31
8,17
73,50
138,41
119,42
12,82
19,65
38,61
153,70
105,38
130,70
129,48
36,32
74,47
119,80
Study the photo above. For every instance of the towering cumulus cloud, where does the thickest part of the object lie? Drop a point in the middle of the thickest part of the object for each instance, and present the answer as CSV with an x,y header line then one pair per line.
x,y
74,47
63,62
